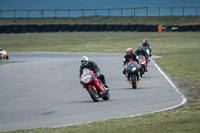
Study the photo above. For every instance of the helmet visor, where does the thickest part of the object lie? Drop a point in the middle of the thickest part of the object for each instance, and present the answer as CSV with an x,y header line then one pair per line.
x,y
83,62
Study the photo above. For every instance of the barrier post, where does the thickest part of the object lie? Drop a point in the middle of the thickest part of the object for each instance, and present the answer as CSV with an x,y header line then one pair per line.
x,y
146,11
42,13
55,14
159,28
95,12
109,12
28,13
82,12
171,11
196,11
15,13
69,13
1,13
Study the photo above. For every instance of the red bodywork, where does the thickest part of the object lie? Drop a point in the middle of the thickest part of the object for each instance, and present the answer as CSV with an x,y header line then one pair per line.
x,y
143,62
94,82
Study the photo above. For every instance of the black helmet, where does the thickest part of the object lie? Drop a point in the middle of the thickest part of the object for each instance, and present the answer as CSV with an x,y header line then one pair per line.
x,y
140,48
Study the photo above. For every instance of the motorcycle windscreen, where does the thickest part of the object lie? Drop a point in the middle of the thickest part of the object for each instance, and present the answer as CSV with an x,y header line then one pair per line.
x,y
140,57
132,67
86,71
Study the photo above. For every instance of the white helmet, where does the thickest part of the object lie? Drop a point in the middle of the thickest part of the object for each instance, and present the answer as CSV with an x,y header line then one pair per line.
x,y
84,60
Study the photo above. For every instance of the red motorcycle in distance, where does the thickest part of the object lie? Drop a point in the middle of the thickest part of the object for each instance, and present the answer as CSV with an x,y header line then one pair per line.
x,y
94,86
143,64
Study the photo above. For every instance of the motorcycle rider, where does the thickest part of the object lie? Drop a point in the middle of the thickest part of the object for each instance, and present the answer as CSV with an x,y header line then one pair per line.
x,y
85,63
130,56
141,51
147,46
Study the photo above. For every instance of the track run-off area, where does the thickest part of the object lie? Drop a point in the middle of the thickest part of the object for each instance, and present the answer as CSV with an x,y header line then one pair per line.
x,y
44,91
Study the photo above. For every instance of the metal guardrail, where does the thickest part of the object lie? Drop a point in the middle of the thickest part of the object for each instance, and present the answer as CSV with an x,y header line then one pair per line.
x,y
146,11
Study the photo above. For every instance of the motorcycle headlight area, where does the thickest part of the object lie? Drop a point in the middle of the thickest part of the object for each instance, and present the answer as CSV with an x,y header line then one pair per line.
x,y
143,62
86,79
134,68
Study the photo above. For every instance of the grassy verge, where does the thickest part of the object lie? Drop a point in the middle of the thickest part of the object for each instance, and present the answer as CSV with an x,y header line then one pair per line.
x,y
164,20
181,58
8,62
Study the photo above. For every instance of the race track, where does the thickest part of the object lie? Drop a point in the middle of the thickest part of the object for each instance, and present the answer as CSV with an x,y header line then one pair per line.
x,y
45,91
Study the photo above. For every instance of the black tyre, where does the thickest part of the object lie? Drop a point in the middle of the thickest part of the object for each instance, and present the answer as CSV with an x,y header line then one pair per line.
x,y
94,94
134,80
107,96
142,71
7,57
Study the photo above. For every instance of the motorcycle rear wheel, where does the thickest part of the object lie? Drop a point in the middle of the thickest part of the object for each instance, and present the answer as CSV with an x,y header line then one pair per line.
x,y
133,80
94,95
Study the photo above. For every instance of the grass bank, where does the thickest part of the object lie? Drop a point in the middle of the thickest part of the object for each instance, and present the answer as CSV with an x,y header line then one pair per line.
x,y
181,57
164,20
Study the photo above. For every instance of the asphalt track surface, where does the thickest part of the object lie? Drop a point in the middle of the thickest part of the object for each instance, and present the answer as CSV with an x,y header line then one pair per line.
x,y
45,91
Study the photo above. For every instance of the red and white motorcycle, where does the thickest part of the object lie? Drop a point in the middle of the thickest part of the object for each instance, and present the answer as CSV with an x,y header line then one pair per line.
x,y
94,86
3,55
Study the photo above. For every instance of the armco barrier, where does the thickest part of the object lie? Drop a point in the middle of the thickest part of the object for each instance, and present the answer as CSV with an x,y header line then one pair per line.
x,y
154,28
181,28
95,27
71,27
2,28
64,27
40,28
109,27
195,27
24,28
8,29
79,27
47,28
86,27
16,28
32,28
132,27
174,28
188,28
55,27
117,27
102,27
125,28
147,28
140,27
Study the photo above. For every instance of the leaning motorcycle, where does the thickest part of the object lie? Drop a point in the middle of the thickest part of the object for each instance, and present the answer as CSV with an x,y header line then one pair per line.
x,y
143,64
93,85
3,55
133,74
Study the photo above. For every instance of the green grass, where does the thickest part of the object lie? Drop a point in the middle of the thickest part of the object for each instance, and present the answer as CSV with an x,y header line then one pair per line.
x,y
180,58
8,62
164,20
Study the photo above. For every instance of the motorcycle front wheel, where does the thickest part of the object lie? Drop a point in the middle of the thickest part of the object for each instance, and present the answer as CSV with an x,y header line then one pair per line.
x,y
93,94
134,80
7,57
